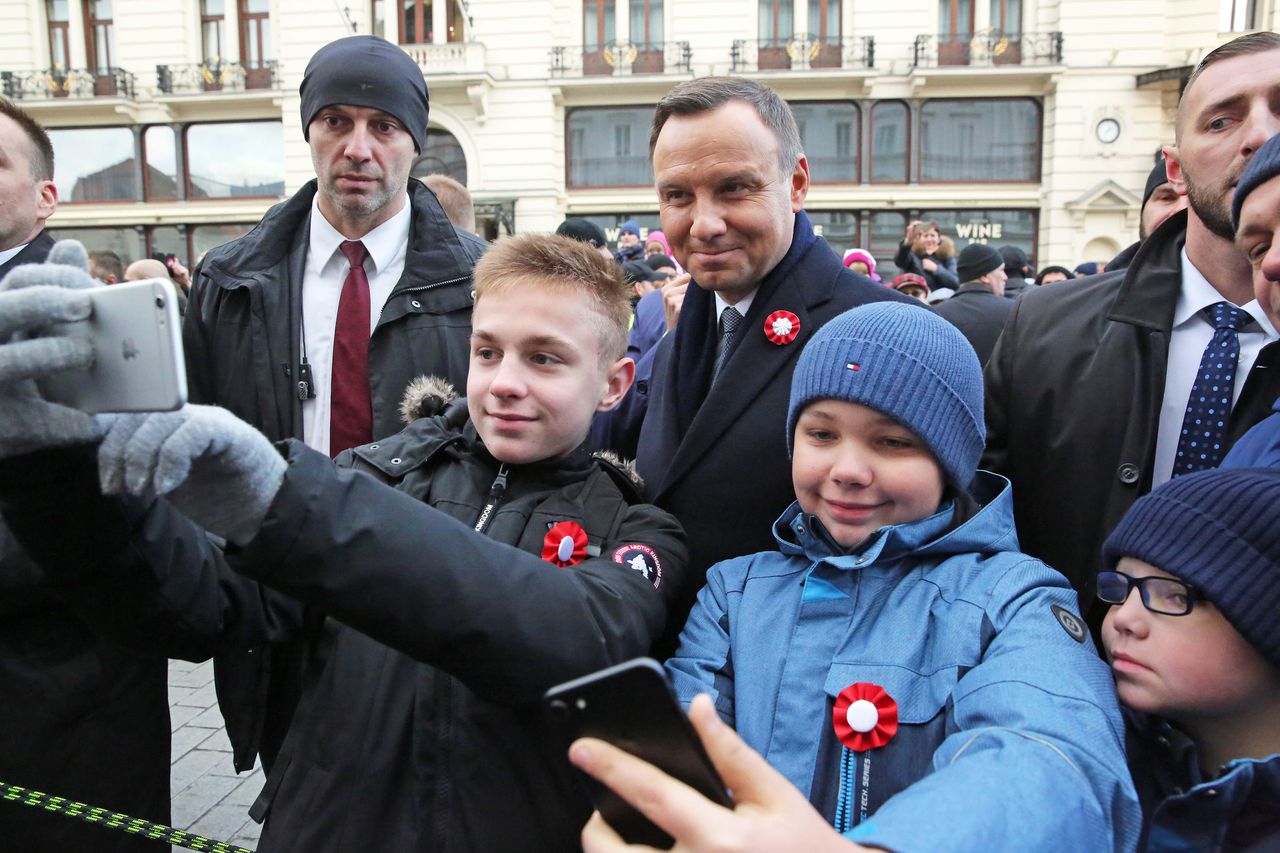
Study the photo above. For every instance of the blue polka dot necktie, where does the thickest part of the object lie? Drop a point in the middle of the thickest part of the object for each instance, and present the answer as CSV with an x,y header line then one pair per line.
x,y
1204,427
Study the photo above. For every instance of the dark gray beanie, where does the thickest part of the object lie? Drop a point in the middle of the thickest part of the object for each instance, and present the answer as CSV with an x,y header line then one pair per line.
x,y
1218,530
976,259
907,362
1159,175
366,71
1263,166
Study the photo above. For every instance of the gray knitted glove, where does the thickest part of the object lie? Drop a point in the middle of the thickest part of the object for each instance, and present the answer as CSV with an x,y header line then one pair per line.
x,y
34,299
215,468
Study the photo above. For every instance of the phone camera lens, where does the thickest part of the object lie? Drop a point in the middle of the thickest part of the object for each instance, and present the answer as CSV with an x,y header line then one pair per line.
x,y
159,301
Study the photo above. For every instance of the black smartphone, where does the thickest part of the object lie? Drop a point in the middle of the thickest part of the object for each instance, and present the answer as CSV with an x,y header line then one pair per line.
x,y
631,705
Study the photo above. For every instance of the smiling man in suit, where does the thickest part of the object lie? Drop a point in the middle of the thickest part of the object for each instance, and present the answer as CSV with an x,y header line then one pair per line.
x,y
732,178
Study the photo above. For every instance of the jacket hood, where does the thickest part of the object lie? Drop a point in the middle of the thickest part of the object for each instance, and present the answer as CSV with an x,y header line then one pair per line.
x,y
989,530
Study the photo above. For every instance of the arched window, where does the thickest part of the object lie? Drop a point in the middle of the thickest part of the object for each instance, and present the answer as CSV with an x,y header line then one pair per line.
x,y
441,156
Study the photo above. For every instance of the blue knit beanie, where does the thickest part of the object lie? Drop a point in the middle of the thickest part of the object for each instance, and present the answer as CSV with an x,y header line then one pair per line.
x,y
908,363
1219,531
1263,166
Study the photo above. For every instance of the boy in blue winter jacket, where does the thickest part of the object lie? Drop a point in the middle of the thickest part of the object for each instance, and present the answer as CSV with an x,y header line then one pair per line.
x,y
1196,657
897,659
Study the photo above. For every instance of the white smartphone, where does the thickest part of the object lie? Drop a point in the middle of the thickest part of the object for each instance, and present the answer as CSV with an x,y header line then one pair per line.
x,y
137,342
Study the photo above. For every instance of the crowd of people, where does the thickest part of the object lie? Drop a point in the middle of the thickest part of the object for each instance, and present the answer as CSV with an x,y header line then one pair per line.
x,y
878,544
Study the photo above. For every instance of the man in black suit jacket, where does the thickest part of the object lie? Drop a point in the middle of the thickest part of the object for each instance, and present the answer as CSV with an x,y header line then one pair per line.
x,y
27,193
731,180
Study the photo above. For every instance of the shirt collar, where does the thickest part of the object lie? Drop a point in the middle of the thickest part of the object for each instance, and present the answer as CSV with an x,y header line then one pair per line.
x,y
9,254
382,243
1197,294
742,306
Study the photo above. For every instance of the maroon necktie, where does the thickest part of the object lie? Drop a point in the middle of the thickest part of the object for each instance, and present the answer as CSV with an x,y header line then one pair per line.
x,y
350,404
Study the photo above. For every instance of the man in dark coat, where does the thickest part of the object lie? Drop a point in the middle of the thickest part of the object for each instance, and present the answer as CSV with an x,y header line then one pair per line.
x,y
261,327
1089,383
732,180
80,716
979,308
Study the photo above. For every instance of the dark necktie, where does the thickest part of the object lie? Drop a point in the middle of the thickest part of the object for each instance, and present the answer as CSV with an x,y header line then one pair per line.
x,y
730,319
1202,443
350,403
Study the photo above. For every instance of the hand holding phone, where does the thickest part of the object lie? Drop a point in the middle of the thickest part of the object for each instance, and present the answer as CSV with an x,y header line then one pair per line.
x,y
137,344
632,707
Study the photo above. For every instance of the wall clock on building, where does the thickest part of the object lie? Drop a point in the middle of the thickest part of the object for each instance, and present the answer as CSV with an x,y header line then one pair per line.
x,y
1107,131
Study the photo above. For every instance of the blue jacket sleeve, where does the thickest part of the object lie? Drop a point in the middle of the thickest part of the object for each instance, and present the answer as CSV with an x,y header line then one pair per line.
x,y
703,661
1035,755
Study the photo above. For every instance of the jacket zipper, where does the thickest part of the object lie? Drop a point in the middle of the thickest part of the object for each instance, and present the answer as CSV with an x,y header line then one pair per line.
x,y
496,492
430,286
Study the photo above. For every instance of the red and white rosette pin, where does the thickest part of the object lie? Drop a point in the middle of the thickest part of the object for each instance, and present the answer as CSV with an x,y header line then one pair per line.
x,y
781,327
865,716
565,544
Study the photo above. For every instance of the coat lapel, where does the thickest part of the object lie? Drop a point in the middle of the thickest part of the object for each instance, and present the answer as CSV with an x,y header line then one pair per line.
x,y
755,362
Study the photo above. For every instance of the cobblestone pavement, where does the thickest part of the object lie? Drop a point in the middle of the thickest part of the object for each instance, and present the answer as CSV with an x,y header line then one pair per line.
x,y
208,797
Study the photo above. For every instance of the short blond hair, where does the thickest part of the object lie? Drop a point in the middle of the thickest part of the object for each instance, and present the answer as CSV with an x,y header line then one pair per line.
x,y
456,201
575,269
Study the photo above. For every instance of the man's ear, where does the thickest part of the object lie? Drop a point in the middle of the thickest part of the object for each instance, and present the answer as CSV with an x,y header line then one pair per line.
x,y
618,381
799,184
47,200
1173,169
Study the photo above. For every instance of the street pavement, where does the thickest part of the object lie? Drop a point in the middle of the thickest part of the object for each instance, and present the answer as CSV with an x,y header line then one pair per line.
x,y
208,797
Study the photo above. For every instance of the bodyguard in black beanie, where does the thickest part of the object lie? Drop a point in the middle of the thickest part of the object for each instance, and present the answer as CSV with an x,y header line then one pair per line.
x,y
366,71
280,320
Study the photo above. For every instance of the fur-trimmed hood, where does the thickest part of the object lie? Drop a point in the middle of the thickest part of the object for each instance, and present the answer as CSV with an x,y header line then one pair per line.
x,y
429,396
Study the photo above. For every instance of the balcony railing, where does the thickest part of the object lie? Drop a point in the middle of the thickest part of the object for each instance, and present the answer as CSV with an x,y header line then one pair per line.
x,y
455,57
802,53
66,83
620,57
216,76
987,48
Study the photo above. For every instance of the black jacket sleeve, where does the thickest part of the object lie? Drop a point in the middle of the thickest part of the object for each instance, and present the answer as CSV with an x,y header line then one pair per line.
x,y
502,620
137,571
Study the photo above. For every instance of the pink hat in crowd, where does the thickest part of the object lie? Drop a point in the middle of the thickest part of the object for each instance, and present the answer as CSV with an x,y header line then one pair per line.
x,y
862,255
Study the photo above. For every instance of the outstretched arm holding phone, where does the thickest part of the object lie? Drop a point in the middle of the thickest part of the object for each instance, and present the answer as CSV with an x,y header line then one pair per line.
x,y
770,815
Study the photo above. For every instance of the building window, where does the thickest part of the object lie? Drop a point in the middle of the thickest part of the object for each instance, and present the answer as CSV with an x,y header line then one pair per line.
x,y
213,30
378,17
417,22
235,159
94,164
955,29
205,237
441,156
995,227
777,23
890,126
611,222
646,22
1006,17
976,140
125,242
255,43
884,235
56,15
159,152
622,140
838,227
453,21
824,20
100,37
1237,16
593,134
829,136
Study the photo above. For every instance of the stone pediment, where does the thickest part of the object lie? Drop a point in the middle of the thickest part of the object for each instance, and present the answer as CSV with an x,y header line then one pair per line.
x,y
1105,196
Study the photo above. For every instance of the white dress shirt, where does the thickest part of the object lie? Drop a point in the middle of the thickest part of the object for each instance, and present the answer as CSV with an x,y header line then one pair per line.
x,y
322,280
742,306
9,254
1190,335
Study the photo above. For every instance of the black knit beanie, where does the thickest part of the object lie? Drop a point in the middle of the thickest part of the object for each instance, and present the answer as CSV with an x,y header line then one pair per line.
x,y
1219,531
1159,175
366,71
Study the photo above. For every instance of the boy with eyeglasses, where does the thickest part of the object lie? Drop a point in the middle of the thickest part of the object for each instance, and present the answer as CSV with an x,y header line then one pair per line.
x,y
1196,657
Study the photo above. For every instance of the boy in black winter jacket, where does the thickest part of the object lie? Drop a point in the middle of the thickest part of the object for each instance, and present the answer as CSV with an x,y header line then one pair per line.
x,y
431,635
